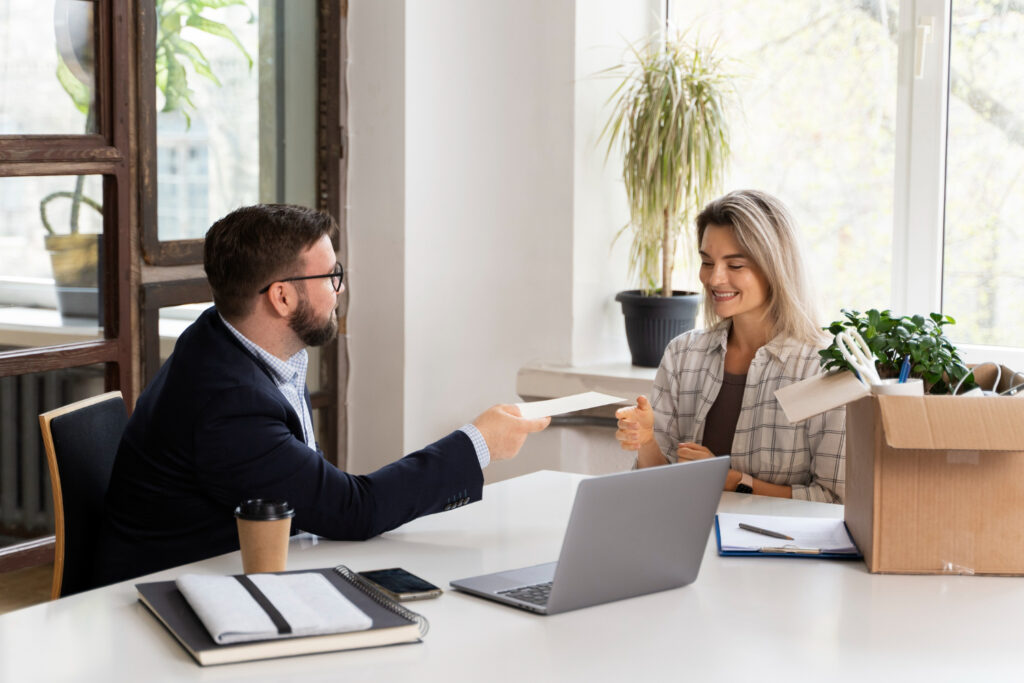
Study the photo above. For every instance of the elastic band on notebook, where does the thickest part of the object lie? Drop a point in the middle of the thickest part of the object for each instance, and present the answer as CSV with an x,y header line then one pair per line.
x,y
283,627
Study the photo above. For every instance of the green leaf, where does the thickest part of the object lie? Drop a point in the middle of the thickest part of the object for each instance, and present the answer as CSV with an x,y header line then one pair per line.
x,y
217,29
195,57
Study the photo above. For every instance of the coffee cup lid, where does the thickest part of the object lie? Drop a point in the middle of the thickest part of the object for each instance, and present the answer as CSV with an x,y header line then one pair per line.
x,y
264,510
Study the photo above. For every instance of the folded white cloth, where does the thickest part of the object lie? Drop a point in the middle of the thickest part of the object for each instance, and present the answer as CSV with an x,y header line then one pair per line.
x,y
307,601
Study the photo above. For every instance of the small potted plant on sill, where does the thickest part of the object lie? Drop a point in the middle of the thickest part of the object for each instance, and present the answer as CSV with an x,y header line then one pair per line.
x,y
669,120
891,340
76,259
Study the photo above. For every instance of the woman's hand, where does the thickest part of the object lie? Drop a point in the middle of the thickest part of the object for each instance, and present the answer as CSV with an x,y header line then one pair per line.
x,y
636,425
692,451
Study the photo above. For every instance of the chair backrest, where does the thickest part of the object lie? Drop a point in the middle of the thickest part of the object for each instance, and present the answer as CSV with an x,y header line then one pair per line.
x,y
81,441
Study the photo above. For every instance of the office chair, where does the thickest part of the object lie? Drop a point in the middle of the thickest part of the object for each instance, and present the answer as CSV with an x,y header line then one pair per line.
x,y
81,441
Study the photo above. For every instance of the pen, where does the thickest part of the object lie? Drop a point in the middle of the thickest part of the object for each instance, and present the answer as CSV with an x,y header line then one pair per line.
x,y
905,369
766,532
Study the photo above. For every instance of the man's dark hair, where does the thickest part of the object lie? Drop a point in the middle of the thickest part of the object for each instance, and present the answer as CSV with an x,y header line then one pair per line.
x,y
255,245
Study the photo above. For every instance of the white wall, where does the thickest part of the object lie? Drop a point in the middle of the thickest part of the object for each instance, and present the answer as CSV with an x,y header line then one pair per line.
x,y
489,156
603,28
480,217
376,232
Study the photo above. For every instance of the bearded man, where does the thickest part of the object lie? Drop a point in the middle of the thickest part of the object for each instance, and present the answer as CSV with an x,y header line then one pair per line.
x,y
228,417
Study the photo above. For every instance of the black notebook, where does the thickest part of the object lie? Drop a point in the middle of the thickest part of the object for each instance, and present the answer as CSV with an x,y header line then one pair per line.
x,y
392,623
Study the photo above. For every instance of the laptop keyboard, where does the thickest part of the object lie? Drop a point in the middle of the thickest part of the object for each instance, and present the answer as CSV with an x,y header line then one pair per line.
x,y
536,594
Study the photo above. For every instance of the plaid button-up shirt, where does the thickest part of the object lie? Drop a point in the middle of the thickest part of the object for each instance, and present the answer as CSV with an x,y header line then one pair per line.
x,y
809,456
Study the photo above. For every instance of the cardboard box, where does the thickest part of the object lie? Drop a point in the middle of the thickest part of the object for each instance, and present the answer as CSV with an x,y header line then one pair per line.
x,y
934,484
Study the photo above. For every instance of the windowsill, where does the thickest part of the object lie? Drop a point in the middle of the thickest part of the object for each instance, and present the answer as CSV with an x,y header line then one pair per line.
x,y
31,327
34,327
541,381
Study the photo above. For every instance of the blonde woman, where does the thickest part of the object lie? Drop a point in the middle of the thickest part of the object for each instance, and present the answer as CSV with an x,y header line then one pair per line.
x,y
714,393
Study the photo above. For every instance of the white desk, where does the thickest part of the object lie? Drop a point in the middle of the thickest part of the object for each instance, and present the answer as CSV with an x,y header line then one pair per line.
x,y
750,618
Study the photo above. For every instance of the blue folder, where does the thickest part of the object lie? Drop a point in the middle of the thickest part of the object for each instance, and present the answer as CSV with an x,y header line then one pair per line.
x,y
771,549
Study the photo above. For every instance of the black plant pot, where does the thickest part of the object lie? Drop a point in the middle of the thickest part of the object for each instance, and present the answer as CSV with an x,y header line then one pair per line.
x,y
653,321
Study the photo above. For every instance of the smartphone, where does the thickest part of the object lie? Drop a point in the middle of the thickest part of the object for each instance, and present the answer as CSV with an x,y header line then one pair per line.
x,y
400,584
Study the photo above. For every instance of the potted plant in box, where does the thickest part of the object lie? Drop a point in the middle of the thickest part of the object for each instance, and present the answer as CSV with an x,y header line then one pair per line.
x,y
892,339
669,120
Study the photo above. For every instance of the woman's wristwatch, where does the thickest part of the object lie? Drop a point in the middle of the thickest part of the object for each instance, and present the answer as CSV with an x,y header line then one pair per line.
x,y
746,484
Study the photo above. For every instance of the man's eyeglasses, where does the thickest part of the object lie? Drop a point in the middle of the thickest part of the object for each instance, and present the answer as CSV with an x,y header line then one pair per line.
x,y
336,275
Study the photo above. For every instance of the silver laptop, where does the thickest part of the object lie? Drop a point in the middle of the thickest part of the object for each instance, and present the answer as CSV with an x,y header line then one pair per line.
x,y
629,534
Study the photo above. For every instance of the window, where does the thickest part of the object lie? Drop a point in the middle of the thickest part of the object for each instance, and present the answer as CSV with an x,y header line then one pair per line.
x,y
65,196
208,119
815,126
50,269
47,69
983,279
893,131
241,105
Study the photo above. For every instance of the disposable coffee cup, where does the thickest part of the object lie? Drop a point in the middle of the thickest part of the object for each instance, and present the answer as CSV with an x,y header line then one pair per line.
x,y
264,527
914,386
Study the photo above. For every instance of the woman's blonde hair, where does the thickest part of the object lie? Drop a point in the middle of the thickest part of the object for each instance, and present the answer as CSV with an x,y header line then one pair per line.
x,y
768,235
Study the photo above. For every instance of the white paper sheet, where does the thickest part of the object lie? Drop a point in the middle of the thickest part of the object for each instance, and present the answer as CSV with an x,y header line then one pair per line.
x,y
567,404
809,533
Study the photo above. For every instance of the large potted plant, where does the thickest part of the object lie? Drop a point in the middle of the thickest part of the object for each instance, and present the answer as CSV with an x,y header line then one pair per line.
x,y
669,121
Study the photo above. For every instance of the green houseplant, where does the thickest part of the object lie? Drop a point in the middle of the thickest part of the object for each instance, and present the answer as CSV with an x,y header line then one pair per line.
x,y
75,256
668,118
933,357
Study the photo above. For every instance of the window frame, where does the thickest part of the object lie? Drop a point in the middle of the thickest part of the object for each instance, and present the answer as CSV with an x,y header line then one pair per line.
x,y
921,157
105,153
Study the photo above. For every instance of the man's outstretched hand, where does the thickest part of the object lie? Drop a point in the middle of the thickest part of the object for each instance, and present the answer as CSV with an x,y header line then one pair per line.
x,y
505,430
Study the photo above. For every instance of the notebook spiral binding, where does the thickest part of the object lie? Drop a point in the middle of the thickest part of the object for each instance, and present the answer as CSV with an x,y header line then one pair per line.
x,y
383,600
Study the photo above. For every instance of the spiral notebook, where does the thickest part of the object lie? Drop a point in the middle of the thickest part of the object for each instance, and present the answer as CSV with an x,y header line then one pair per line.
x,y
392,623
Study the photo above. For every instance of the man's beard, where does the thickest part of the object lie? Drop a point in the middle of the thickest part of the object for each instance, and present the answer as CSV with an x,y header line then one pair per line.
x,y
311,331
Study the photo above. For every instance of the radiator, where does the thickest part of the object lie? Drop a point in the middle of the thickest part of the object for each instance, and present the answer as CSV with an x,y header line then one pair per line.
x,y
26,504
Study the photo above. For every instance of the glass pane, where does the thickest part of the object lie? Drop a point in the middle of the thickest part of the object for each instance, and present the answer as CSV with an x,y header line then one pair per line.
x,y
816,126
26,504
234,85
208,121
173,321
46,67
983,286
50,260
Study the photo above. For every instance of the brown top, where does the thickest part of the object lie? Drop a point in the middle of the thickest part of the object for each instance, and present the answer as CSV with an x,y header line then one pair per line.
x,y
720,425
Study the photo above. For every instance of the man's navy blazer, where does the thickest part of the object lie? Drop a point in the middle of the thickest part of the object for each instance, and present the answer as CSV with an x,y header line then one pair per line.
x,y
212,429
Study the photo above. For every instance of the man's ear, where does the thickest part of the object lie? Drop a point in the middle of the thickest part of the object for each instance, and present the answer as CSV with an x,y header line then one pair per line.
x,y
282,298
